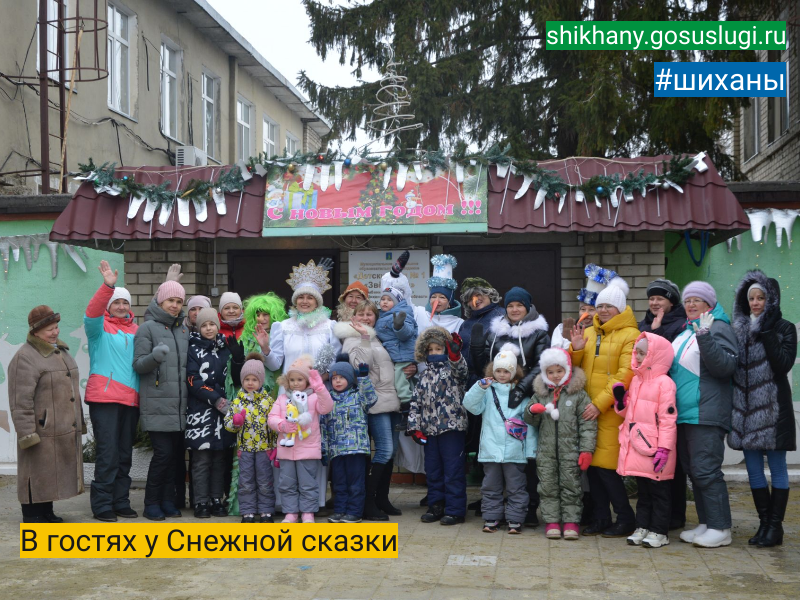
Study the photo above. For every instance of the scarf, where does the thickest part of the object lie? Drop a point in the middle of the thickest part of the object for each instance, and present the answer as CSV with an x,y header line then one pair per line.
x,y
311,319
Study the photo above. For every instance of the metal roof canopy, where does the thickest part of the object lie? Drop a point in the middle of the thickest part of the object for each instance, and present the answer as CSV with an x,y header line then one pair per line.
x,y
200,14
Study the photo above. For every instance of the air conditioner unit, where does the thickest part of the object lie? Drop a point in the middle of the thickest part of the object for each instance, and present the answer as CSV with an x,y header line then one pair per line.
x,y
189,156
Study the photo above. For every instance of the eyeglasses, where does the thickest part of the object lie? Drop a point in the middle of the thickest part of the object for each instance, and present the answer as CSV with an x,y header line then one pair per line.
x,y
694,301
604,307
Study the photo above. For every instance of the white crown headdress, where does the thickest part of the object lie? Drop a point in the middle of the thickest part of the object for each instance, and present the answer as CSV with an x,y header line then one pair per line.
x,y
309,275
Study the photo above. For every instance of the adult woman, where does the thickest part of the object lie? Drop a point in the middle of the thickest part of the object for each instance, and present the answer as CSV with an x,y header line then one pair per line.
x,y
705,361
112,394
610,342
160,353
355,294
231,314
308,330
193,306
359,341
481,304
763,413
45,401
523,331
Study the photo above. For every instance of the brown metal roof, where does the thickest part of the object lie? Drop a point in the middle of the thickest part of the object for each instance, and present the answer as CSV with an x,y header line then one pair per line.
x,y
90,215
705,204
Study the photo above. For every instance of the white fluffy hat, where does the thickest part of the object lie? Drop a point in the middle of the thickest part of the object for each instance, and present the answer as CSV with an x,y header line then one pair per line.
x,y
555,356
505,359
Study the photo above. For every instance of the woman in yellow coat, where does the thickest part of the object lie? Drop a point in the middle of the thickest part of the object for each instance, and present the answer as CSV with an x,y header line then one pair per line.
x,y
604,351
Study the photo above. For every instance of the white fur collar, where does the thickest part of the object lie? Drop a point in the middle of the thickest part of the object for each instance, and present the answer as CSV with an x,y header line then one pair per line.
x,y
343,330
500,327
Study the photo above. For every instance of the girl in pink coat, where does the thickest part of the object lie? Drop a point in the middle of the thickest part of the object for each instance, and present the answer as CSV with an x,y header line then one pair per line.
x,y
299,440
648,437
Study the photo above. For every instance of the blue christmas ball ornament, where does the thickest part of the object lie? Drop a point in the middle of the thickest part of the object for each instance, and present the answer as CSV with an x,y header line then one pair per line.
x,y
125,178
347,162
599,189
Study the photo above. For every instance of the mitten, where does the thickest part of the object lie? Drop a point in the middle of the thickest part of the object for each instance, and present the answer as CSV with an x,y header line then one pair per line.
x,y
516,396
238,454
620,395
660,459
584,460
315,380
238,418
363,370
398,319
454,347
419,437
400,264
221,405
160,352
271,454
236,348
536,409
304,420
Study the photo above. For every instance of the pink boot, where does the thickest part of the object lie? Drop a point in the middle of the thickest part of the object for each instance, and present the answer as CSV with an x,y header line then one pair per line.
x,y
290,518
571,531
552,531
308,517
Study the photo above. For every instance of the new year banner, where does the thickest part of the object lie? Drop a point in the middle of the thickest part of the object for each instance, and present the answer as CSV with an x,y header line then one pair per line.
x,y
321,200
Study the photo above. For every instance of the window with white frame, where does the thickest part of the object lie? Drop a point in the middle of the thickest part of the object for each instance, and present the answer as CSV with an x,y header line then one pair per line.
x,y
244,128
170,56
270,147
777,108
118,60
52,42
292,144
209,114
750,129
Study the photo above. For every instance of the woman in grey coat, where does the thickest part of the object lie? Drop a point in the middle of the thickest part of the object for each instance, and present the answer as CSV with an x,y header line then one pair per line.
x,y
159,356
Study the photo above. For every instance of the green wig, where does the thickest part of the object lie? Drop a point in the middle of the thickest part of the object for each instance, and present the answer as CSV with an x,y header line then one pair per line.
x,y
269,303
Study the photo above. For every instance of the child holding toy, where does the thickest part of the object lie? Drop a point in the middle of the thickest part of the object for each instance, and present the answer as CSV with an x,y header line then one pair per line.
x,y
300,446
566,440
247,416
504,452
648,437
347,437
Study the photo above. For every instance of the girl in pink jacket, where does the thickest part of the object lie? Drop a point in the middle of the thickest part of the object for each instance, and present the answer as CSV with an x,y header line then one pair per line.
x,y
299,440
648,437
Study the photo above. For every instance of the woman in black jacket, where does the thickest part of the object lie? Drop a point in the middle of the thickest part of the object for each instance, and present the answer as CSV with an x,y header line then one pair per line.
x,y
763,414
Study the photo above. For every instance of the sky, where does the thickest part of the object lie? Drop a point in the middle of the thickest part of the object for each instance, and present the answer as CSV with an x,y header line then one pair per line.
x,y
280,30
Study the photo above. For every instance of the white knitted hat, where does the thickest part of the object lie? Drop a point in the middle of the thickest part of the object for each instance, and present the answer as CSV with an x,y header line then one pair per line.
x,y
505,359
613,295
119,293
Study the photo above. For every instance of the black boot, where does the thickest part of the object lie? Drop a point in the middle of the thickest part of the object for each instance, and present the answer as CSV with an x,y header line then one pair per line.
x,y
382,491
774,534
371,511
435,512
762,501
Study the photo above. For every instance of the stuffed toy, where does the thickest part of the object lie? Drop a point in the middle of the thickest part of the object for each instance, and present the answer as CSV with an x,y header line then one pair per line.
x,y
291,415
300,400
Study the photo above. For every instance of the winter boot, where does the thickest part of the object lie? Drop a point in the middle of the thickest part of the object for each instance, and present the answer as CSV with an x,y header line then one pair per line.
x,y
371,511
762,501
435,512
382,491
774,533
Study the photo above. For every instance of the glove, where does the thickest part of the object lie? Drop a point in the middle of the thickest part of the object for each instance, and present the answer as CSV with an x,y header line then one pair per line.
x,y
536,409
768,322
620,395
419,437
363,370
174,273
286,426
160,352
221,405
660,459
516,396
705,321
400,264
315,380
454,347
325,263
398,320
584,460
304,420
238,418
236,348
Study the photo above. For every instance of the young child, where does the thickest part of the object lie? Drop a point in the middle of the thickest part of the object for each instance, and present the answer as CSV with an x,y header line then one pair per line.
x,y
438,419
247,415
206,370
504,457
397,331
300,460
648,437
347,438
566,440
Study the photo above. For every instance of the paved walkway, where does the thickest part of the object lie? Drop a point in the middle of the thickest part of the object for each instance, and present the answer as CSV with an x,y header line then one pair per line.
x,y
434,562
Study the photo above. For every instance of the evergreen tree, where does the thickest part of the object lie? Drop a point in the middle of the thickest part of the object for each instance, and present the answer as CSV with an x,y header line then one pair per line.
x,y
480,70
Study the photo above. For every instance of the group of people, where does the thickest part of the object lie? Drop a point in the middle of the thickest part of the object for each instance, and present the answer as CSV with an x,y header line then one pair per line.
x,y
272,403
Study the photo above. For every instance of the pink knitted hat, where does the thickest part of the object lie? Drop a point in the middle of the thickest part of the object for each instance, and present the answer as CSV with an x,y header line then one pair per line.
x,y
255,367
170,289
302,365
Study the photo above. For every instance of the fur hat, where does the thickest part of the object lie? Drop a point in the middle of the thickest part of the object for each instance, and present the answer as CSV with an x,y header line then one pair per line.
x,y
356,286
302,365
309,279
120,293
597,279
343,368
395,294
555,356
41,316
505,359
614,296
432,335
230,298
666,289
207,314
702,290
254,365
170,289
